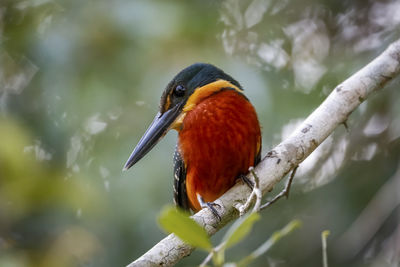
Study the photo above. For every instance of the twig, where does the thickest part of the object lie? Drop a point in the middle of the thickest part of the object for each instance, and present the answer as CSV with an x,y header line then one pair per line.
x,y
255,193
256,190
207,259
276,236
211,254
284,192
324,236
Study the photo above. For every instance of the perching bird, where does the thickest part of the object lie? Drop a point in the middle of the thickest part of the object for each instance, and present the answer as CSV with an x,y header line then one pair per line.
x,y
219,134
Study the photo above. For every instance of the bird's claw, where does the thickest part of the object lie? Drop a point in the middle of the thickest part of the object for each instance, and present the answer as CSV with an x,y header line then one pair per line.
x,y
247,181
210,206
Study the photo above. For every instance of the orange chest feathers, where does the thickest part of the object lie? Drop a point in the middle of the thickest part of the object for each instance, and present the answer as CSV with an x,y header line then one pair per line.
x,y
219,140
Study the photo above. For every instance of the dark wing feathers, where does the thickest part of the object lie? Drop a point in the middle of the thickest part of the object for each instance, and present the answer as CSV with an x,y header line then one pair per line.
x,y
180,196
258,157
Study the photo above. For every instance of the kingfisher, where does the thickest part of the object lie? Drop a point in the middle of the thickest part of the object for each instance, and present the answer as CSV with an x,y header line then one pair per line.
x,y
219,134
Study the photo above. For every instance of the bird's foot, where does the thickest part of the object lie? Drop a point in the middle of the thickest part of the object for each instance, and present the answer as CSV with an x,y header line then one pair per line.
x,y
247,181
210,206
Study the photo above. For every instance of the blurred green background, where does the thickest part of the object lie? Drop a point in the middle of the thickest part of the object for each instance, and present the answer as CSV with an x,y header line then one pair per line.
x,y
81,80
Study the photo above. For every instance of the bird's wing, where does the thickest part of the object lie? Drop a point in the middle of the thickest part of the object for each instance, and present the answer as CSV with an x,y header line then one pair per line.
x,y
180,195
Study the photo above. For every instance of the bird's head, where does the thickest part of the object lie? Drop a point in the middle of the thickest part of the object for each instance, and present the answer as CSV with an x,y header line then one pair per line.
x,y
181,95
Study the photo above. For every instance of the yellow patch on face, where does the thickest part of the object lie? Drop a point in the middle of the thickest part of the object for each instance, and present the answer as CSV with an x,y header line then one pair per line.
x,y
168,102
206,90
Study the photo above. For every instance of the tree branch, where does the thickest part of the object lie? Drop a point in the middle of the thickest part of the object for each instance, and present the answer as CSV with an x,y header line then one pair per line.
x,y
335,110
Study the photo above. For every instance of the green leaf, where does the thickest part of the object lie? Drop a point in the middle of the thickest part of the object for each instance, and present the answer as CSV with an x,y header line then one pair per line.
x,y
178,222
240,229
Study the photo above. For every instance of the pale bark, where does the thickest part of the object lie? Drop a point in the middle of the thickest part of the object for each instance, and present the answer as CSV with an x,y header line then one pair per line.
x,y
334,111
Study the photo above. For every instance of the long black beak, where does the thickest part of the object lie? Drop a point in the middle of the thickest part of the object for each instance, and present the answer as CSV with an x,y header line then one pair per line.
x,y
157,129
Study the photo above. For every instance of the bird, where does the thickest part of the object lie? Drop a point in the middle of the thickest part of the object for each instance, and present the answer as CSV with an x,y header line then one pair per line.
x,y
219,135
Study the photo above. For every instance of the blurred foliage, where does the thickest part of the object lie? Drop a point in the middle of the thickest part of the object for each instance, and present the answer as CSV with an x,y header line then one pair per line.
x,y
176,221
38,206
267,245
80,81
240,229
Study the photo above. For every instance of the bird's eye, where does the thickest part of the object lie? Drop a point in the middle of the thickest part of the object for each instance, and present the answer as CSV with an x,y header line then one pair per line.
x,y
179,90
